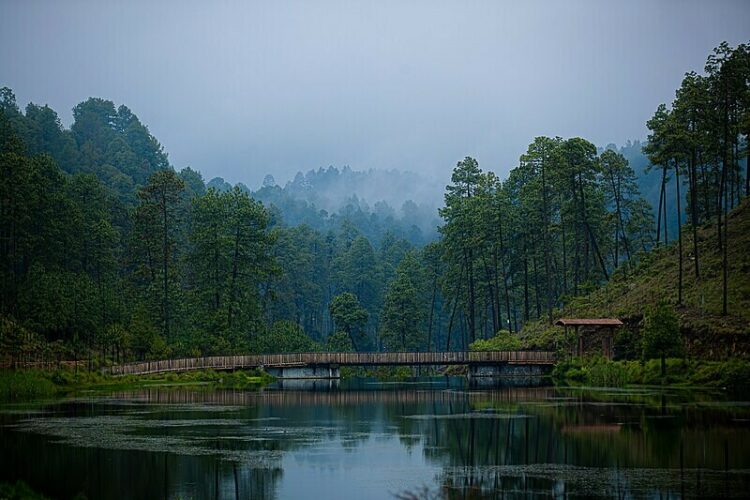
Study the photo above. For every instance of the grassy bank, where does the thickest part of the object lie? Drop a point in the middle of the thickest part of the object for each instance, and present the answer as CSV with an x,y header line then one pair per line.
x,y
707,333
384,373
24,385
732,375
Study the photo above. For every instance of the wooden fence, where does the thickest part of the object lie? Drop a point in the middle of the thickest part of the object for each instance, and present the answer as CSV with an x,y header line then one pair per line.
x,y
335,358
6,364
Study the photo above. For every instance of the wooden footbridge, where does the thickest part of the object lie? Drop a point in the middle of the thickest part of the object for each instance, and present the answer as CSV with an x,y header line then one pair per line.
x,y
326,364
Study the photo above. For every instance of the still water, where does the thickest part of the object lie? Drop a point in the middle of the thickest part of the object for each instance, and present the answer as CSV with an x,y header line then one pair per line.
x,y
432,438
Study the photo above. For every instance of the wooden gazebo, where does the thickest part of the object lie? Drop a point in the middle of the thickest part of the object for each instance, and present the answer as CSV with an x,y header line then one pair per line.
x,y
607,324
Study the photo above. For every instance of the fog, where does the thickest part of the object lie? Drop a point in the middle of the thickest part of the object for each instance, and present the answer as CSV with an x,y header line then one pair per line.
x,y
242,89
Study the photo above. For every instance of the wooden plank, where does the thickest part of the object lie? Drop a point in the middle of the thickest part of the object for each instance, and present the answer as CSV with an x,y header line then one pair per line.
x,y
342,359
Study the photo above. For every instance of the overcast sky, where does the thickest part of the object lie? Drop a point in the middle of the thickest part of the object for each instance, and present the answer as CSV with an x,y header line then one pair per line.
x,y
241,89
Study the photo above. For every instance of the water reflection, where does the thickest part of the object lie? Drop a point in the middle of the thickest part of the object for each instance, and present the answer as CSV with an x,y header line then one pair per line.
x,y
364,439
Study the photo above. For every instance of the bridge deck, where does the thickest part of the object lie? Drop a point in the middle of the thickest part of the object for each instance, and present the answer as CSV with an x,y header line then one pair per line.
x,y
336,358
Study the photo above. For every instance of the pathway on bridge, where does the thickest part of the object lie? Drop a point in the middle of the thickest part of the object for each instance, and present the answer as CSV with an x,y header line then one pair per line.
x,y
336,359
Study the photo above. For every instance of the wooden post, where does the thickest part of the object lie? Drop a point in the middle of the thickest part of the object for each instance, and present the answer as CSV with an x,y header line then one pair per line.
x,y
606,344
610,341
580,342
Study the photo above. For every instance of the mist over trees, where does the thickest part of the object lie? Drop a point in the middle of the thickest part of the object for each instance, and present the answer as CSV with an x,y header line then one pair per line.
x,y
108,251
402,203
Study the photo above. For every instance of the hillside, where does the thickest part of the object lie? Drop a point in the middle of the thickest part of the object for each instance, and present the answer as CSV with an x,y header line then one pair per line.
x,y
706,330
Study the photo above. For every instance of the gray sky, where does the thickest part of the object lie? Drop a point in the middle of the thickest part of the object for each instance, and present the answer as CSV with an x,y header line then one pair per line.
x,y
240,89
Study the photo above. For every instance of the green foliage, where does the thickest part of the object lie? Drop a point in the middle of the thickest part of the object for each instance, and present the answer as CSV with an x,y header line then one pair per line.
x,y
16,341
238,379
339,342
357,273
24,384
156,237
661,332
732,375
300,291
390,372
19,491
403,318
109,254
542,335
349,316
606,373
502,341
230,255
284,336
143,337
596,371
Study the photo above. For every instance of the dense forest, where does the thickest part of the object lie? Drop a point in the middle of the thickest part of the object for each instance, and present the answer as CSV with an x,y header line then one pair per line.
x,y
107,250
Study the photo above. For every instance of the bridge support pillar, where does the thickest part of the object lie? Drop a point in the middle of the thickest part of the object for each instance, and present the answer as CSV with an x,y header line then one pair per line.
x,y
305,372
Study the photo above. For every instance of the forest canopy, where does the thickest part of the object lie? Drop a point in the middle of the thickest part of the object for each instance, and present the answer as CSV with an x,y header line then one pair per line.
x,y
107,249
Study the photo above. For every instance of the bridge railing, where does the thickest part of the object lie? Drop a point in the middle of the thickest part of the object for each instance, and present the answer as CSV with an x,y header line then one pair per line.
x,y
334,358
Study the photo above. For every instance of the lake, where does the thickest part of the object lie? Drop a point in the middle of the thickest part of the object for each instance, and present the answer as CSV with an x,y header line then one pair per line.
x,y
363,439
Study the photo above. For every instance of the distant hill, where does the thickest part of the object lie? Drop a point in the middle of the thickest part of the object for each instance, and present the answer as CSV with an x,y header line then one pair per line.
x,y
110,142
374,201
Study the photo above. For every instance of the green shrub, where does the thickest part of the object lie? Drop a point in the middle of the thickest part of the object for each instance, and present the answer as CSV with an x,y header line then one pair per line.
x,y
502,341
661,334
733,375
339,342
562,369
284,336
25,384
606,373
736,376
392,372
19,491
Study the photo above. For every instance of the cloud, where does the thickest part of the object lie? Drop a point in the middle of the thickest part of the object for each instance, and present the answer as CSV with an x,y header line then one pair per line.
x,y
241,89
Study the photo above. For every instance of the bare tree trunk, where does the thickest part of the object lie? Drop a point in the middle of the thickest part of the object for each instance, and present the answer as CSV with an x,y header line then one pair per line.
x,y
664,208
694,211
659,211
722,206
545,240
450,324
165,266
432,312
525,283
679,234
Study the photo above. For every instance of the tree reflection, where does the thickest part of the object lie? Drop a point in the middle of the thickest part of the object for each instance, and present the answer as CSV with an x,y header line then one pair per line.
x,y
505,441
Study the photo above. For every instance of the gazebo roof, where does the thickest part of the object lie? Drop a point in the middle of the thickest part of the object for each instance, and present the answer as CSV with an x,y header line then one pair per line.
x,y
588,322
